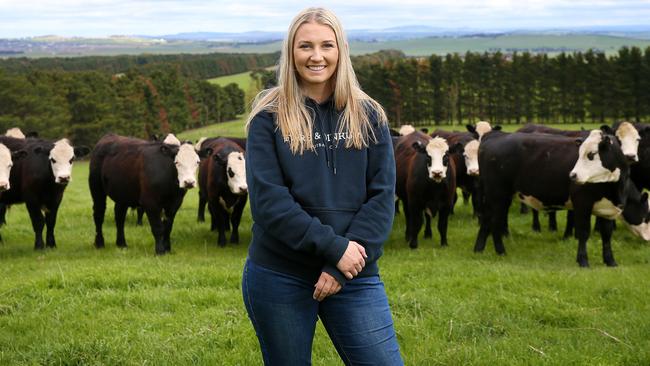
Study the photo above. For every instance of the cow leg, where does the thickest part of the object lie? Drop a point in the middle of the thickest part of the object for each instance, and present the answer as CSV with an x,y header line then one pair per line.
x,y
497,226
221,225
50,223
120,217
3,213
140,212
37,224
443,219
415,223
427,226
157,229
606,230
213,216
483,233
200,217
407,219
552,220
523,209
99,208
582,228
466,196
168,224
568,231
536,226
235,219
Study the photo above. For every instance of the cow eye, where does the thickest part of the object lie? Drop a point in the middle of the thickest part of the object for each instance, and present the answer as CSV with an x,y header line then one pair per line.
x,y
71,160
428,160
445,159
231,173
52,161
590,155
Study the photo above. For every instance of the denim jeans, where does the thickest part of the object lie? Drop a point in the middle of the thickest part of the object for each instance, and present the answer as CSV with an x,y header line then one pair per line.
x,y
284,316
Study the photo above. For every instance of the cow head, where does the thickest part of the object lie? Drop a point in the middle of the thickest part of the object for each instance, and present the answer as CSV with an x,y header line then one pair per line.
x,y
600,159
172,140
636,214
6,162
406,130
186,161
629,138
437,154
471,157
235,167
61,156
15,132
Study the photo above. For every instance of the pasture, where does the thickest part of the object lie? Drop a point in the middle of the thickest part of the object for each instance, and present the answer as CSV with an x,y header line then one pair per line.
x,y
80,305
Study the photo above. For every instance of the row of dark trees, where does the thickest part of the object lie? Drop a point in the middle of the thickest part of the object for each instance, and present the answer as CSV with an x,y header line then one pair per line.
x,y
86,105
509,88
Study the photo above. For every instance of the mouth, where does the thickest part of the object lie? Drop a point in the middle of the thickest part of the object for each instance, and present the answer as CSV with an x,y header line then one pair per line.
x,y
316,67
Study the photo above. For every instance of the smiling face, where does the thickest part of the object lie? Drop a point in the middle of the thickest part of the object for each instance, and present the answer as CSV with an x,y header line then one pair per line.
x,y
315,56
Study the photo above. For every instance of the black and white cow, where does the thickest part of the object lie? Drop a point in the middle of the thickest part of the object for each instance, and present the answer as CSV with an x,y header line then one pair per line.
x,y
553,172
139,173
39,180
426,180
223,187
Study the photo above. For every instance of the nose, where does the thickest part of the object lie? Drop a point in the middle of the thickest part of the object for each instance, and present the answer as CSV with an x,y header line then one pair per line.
x,y
437,174
64,179
189,183
243,189
573,176
632,158
472,172
4,186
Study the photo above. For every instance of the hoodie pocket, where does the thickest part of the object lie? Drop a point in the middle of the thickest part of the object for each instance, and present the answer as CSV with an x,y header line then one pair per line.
x,y
338,218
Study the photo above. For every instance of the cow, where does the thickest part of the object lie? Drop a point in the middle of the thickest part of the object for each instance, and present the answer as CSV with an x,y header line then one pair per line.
x,y
222,185
426,179
139,173
406,130
590,176
15,132
39,179
640,171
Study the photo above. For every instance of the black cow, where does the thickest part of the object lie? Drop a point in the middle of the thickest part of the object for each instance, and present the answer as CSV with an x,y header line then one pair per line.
x,y
555,172
39,179
426,179
222,185
138,173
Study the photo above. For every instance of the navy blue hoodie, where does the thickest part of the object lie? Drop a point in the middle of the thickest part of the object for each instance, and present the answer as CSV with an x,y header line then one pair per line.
x,y
306,208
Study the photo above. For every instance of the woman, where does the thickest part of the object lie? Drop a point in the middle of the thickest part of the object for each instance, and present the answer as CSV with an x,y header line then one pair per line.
x,y
321,175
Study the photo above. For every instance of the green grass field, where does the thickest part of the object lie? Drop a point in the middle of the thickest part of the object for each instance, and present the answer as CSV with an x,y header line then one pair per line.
x,y
77,305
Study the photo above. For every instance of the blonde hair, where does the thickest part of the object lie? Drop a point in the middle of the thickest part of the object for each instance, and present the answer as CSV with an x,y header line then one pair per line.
x,y
287,100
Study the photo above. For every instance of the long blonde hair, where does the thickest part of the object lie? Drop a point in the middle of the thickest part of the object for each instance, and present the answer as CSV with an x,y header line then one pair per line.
x,y
287,100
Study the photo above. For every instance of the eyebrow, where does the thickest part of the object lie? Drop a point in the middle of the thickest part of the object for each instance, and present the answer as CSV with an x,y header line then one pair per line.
x,y
325,41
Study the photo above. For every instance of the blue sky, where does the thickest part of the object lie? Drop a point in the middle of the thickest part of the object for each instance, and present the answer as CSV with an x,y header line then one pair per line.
x,y
92,18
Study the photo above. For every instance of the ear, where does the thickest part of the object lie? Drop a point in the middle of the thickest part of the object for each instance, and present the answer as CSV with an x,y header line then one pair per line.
x,y
579,142
417,145
81,151
169,150
16,155
424,130
644,132
471,128
608,130
32,134
205,152
457,148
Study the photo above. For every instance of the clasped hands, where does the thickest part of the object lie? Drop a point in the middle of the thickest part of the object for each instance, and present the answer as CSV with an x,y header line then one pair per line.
x,y
350,264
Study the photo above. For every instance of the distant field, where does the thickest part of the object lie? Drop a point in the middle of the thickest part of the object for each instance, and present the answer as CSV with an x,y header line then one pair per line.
x,y
242,80
416,47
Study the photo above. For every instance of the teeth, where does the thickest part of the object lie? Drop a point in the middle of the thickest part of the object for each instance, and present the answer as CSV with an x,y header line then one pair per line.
x,y
316,68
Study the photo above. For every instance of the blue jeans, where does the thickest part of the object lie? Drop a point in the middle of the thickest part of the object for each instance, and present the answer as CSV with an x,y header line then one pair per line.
x,y
284,316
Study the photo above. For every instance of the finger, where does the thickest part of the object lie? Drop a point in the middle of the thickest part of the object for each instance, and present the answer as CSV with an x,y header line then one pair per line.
x,y
327,290
348,275
318,289
362,250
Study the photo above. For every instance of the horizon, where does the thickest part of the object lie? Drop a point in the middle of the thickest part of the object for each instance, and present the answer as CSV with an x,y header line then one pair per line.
x,y
105,19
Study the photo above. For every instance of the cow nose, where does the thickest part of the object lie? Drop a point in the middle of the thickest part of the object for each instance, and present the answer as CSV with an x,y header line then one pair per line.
x,y
573,176
64,179
632,158
4,186
473,172
243,189
189,183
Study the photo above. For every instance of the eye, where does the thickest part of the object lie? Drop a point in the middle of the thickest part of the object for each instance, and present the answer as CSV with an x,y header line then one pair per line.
x,y
328,45
71,160
304,46
428,160
52,161
445,159
590,155
231,173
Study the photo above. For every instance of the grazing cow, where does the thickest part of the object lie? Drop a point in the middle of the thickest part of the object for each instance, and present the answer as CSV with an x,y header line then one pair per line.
x,y
149,174
222,185
553,172
39,179
426,179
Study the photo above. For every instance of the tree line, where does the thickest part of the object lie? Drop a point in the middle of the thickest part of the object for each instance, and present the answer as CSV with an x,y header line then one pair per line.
x,y
85,105
509,88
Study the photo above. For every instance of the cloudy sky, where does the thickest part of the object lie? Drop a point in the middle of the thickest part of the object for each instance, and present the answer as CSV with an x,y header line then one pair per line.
x,y
23,18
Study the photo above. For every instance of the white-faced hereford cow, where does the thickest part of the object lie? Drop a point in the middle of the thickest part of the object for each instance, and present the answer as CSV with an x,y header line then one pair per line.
x,y
149,174
553,172
222,185
39,179
426,179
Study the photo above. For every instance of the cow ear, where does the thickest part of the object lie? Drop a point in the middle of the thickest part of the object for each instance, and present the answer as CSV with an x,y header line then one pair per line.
x,y
417,145
579,141
80,151
205,152
644,132
15,155
605,143
424,130
457,148
608,130
169,150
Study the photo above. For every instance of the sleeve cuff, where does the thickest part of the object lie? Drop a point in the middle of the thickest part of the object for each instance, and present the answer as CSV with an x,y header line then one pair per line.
x,y
334,272
335,250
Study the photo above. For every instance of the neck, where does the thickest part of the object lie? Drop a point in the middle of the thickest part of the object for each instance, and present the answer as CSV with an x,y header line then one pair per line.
x,y
319,93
